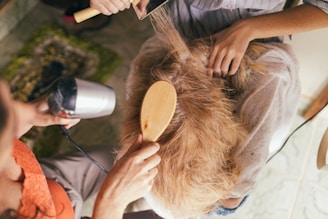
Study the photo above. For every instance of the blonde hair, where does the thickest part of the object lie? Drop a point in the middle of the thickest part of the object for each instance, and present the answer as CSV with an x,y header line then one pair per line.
x,y
197,167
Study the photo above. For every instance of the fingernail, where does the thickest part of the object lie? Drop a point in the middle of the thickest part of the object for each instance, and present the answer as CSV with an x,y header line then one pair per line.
x,y
209,72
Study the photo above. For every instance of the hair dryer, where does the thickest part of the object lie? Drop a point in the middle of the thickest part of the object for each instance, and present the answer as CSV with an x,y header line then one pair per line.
x,y
70,97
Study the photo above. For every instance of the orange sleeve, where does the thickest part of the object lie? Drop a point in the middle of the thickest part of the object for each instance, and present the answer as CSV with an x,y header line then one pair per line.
x,y
41,198
64,209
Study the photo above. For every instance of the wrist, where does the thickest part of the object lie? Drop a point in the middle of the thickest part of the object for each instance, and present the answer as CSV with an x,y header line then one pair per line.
x,y
107,208
108,204
247,29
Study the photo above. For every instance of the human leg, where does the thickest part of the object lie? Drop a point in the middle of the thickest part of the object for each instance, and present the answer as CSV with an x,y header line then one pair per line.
x,y
78,175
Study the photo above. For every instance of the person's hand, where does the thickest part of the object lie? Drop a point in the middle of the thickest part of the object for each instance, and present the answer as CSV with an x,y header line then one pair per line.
x,y
228,50
130,178
37,113
108,7
141,8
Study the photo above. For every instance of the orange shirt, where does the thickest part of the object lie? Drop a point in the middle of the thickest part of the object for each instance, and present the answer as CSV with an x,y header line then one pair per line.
x,y
40,196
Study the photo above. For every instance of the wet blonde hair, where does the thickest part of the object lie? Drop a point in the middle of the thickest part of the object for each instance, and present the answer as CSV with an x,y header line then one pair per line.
x,y
197,167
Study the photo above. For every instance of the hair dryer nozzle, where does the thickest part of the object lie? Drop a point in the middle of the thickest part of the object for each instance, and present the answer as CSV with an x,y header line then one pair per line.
x,y
76,98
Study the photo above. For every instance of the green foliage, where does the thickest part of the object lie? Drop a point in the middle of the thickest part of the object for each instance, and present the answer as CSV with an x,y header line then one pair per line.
x,y
47,144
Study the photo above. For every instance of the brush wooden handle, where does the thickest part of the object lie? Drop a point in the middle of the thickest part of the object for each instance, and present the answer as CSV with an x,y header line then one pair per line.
x,y
85,14
91,12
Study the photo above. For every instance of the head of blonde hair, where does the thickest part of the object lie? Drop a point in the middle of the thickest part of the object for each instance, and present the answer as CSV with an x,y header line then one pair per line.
x,y
197,165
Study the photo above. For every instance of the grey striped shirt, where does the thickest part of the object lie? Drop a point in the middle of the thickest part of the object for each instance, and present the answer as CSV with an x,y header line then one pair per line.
x,y
201,18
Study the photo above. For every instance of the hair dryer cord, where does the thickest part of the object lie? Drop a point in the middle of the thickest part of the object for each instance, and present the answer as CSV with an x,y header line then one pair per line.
x,y
78,147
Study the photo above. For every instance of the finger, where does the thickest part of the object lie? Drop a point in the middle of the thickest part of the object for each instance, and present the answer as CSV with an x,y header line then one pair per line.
x,y
147,151
43,106
71,123
212,58
235,65
142,5
41,103
101,8
151,162
111,8
46,119
217,64
148,178
209,72
152,174
64,121
127,4
119,5
225,65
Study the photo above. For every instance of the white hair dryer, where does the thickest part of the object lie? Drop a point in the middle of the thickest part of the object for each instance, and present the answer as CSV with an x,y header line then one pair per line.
x,y
71,97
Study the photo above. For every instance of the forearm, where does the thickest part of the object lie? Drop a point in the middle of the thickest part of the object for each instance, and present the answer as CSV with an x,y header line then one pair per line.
x,y
299,19
108,202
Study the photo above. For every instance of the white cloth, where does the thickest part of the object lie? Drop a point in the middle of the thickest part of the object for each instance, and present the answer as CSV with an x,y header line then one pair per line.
x,y
269,105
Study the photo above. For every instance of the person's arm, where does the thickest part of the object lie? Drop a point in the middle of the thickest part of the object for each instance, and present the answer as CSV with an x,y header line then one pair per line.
x,y
232,42
37,113
131,177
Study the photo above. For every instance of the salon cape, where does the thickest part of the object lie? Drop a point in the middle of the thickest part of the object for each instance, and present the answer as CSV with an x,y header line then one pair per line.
x,y
270,102
41,197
